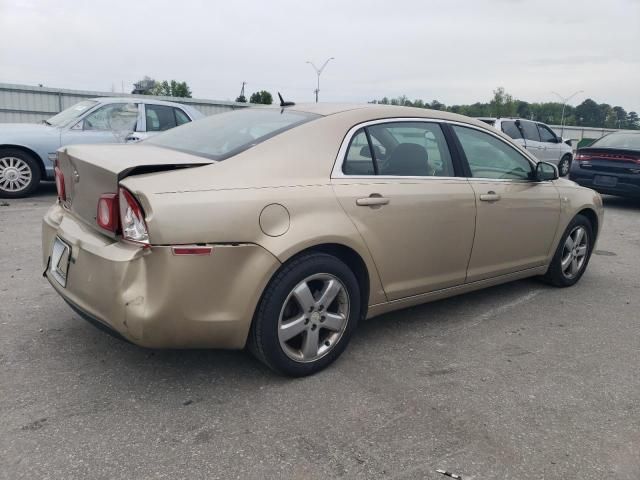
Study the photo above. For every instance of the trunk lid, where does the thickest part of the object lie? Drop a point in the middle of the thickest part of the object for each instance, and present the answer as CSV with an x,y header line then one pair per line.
x,y
92,170
609,160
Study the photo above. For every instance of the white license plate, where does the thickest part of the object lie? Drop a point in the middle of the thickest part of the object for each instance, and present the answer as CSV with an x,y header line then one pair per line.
x,y
59,261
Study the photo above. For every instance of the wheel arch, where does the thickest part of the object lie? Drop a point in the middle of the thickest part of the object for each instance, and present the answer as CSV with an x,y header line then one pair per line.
x,y
352,259
28,151
591,215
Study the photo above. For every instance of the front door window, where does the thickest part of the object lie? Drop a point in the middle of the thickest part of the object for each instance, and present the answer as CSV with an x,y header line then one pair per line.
x,y
116,117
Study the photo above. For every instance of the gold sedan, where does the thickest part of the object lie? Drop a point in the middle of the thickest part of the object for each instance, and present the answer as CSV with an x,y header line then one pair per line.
x,y
281,228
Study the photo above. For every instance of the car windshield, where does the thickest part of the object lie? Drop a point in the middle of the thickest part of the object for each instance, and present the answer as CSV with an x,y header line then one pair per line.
x,y
628,141
71,113
226,134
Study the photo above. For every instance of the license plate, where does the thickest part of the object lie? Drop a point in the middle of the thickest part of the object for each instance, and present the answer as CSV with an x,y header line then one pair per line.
x,y
59,262
605,181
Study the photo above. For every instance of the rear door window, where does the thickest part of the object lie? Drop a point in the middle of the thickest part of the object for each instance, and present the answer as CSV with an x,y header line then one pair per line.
x,y
530,130
411,149
510,128
159,118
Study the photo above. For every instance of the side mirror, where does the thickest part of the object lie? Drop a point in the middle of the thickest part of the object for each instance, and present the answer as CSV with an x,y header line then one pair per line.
x,y
546,171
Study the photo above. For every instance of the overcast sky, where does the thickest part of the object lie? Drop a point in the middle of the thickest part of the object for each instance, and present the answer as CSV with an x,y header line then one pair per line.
x,y
455,51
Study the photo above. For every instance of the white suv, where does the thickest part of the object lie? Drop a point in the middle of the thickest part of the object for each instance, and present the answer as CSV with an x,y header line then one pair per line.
x,y
538,138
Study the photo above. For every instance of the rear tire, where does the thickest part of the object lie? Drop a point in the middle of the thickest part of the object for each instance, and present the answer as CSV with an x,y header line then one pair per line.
x,y
306,316
572,255
19,173
564,165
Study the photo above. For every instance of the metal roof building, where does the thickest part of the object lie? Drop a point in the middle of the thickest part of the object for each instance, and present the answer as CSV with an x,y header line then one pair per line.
x,y
32,104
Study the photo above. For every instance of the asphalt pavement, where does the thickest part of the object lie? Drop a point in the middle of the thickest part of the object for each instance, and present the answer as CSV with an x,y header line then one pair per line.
x,y
521,381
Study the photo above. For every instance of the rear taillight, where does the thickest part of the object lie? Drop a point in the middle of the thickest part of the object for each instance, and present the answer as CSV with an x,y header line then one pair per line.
x,y
134,228
62,193
107,216
623,157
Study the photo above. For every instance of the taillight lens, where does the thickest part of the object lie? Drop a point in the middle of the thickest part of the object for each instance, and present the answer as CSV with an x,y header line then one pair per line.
x,y
134,228
107,216
62,193
587,157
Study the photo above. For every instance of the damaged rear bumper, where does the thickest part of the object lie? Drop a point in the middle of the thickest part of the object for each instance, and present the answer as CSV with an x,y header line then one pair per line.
x,y
153,298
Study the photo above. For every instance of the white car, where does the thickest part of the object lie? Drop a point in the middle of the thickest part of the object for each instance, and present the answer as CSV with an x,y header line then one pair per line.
x,y
538,138
28,151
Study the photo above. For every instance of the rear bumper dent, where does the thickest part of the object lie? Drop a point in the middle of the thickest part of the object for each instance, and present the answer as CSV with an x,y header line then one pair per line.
x,y
153,298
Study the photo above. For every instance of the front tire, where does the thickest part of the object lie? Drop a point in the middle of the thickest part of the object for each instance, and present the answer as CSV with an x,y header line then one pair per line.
x,y
306,316
573,253
564,165
19,173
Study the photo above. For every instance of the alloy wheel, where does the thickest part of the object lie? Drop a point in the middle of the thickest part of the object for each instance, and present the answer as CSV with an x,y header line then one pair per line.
x,y
313,318
15,174
574,252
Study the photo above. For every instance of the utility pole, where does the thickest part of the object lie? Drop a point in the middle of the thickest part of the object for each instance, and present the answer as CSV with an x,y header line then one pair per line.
x,y
318,72
564,104
242,98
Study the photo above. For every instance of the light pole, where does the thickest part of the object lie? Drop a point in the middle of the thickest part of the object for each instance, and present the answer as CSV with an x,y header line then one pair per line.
x,y
318,72
564,104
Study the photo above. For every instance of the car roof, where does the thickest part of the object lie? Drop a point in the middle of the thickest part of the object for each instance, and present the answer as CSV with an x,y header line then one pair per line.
x,y
373,111
130,99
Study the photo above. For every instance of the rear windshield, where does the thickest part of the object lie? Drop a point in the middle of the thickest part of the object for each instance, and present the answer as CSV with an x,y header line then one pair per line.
x,y
224,135
629,141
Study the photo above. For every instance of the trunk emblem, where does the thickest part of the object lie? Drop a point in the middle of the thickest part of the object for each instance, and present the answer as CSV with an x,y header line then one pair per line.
x,y
76,176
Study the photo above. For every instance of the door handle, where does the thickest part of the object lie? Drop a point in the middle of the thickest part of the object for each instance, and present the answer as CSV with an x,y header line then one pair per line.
x,y
490,196
373,200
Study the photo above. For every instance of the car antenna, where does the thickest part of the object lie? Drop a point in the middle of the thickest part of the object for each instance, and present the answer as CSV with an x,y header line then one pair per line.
x,y
283,103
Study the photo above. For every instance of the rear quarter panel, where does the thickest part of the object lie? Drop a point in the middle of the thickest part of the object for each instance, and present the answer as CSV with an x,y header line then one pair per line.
x,y
312,217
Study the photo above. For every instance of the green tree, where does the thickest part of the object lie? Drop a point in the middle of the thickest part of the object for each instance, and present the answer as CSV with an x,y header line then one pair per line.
x,y
502,104
607,117
180,89
149,86
588,114
241,99
162,89
523,109
262,97
620,117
